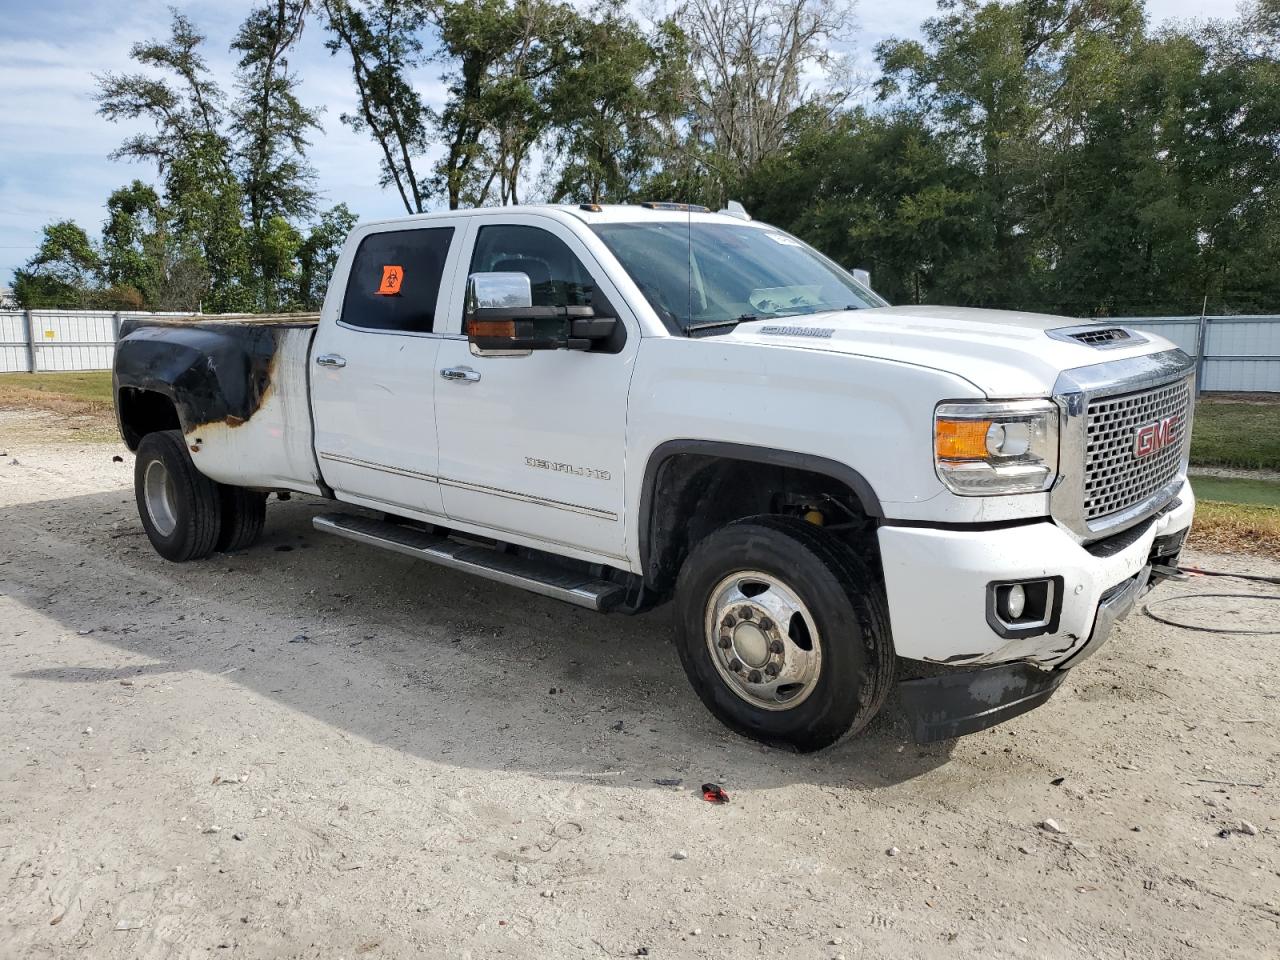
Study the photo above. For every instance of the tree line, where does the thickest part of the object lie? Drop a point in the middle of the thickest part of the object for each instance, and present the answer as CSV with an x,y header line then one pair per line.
x,y
1053,155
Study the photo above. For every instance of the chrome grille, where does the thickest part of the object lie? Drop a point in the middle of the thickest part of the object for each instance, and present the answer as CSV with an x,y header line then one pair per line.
x,y
1116,479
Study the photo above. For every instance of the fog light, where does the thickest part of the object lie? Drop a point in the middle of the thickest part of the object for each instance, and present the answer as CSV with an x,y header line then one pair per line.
x,y
1024,608
1015,601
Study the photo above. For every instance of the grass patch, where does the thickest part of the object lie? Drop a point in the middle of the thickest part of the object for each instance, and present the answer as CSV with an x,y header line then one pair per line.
x,y
1263,493
1237,528
1236,434
82,393
82,401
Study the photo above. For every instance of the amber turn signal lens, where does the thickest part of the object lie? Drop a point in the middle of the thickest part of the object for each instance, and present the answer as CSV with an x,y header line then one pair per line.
x,y
961,439
491,328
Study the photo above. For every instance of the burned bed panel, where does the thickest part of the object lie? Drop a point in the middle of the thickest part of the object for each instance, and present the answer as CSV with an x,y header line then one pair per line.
x,y
239,392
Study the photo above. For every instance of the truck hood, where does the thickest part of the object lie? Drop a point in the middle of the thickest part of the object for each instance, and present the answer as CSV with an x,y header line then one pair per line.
x,y
1004,353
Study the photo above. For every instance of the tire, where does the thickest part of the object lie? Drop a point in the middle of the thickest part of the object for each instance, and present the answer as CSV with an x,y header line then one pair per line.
x,y
243,514
841,615
181,509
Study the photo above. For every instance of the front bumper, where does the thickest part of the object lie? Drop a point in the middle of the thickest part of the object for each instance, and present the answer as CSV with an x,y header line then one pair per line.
x,y
937,583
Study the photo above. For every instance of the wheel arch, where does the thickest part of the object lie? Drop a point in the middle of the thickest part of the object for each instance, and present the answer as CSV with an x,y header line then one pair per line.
x,y
681,480
140,411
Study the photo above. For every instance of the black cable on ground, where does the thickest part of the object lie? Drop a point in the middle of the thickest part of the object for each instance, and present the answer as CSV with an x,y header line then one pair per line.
x,y
1222,573
1197,596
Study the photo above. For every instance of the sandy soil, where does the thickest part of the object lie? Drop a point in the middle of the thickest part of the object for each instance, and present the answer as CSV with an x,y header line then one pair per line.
x,y
315,750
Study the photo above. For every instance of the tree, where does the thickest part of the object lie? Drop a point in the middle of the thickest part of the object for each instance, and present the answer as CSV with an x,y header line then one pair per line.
x,y
269,127
754,63
63,272
1006,84
614,101
318,254
381,39
192,152
874,191
503,56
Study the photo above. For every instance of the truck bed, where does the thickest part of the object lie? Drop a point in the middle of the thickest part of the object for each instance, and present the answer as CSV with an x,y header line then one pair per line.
x,y
238,386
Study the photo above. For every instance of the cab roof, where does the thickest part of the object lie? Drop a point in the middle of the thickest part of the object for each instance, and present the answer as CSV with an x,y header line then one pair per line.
x,y
589,213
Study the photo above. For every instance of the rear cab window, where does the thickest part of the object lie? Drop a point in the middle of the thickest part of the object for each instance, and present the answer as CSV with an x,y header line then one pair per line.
x,y
395,280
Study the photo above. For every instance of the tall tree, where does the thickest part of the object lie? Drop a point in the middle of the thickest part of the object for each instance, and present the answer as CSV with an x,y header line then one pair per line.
x,y
615,99
191,149
381,40
269,127
756,62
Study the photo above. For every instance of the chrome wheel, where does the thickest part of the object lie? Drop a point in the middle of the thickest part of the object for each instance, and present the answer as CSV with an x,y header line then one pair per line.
x,y
763,640
159,496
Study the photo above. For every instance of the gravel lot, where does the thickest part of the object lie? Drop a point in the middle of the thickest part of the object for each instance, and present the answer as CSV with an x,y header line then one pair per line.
x,y
312,749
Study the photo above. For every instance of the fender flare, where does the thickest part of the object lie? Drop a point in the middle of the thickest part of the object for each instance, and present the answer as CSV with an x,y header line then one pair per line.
x,y
749,453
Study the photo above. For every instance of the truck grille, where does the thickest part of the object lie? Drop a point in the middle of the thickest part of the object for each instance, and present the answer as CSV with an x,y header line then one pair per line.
x,y
1115,478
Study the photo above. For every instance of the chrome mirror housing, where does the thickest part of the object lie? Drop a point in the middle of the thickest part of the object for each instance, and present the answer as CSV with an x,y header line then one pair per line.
x,y
499,291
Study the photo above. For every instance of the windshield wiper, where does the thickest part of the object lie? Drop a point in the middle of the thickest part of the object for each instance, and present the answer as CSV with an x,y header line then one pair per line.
x,y
715,324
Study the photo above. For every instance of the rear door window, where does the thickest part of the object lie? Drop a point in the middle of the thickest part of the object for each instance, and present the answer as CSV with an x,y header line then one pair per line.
x,y
395,280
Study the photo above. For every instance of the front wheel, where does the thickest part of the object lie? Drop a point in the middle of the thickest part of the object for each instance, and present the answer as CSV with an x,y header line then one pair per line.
x,y
783,632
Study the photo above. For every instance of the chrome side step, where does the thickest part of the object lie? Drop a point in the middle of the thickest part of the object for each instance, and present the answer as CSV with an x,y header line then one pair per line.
x,y
543,578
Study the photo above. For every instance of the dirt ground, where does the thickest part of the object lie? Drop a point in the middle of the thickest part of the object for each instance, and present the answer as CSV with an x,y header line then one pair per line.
x,y
312,749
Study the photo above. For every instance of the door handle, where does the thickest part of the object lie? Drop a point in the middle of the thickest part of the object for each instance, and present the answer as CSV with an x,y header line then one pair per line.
x,y
460,374
331,360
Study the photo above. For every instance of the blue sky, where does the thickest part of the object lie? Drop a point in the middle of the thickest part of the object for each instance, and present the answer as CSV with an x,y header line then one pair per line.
x,y
54,147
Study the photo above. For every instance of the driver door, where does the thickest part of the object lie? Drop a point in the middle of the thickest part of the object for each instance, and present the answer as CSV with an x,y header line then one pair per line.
x,y
533,443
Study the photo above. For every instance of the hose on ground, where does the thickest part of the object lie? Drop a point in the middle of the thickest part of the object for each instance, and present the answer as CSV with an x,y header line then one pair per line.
x,y
1222,573
1258,578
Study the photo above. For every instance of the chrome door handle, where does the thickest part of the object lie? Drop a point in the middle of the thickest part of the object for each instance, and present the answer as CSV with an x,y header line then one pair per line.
x,y
461,374
331,360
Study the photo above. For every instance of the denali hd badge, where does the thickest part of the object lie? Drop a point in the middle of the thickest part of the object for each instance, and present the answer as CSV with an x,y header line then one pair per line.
x,y
1150,437
787,330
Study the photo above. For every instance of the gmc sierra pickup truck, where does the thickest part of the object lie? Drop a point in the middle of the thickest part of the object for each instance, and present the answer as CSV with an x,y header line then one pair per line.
x,y
618,406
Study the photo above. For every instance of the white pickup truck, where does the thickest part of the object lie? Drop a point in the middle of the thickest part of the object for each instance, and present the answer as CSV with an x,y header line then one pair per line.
x,y
617,406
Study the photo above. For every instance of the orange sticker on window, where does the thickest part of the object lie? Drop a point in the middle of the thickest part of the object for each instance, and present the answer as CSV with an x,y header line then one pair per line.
x,y
391,279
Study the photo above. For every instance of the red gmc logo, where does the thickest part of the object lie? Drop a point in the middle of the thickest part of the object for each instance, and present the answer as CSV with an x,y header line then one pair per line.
x,y
1150,437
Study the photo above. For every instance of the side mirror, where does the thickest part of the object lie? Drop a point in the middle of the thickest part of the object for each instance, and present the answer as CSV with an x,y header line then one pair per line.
x,y
500,316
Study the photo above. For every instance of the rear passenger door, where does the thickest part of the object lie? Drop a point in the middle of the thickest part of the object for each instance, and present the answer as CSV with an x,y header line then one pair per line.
x,y
373,368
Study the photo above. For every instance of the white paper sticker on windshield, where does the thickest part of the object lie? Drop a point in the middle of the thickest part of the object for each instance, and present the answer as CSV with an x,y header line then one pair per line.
x,y
783,239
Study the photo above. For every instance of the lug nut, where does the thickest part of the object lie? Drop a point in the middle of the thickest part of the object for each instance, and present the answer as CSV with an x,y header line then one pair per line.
x,y
725,641
746,613
729,620
776,648
754,676
771,670
766,623
735,664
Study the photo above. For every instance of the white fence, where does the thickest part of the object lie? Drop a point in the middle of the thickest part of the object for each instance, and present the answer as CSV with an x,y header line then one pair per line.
x,y
1237,354
41,340
1233,354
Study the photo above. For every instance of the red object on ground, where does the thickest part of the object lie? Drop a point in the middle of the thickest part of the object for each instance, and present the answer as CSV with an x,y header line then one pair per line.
x,y
714,793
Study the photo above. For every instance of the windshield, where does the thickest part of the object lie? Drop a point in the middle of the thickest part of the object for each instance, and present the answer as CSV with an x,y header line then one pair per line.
x,y
701,276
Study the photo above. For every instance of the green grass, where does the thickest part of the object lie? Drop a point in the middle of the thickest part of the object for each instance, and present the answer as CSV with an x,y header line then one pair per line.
x,y
57,391
1264,493
1231,434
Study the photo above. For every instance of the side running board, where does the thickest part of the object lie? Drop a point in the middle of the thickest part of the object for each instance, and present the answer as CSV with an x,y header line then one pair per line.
x,y
539,577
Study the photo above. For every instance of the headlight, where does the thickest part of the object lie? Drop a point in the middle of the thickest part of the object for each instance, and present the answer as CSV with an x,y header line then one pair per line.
x,y
983,449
